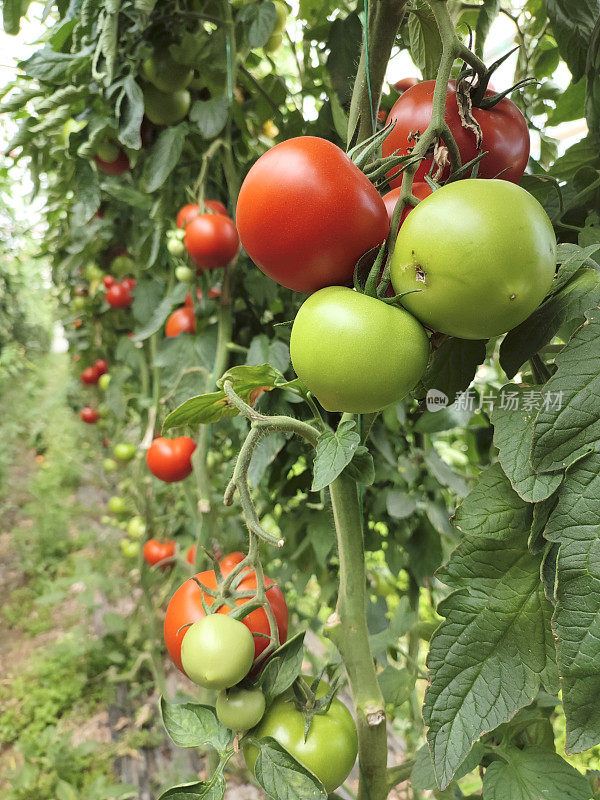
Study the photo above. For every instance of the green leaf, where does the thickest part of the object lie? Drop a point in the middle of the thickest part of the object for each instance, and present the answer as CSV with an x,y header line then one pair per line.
x,y
210,115
585,153
164,156
396,685
513,418
574,526
130,112
570,426
453,367
424,40
571,258
335,450
400,504
86,191
444,474
282,777
264,455
57,68
344,43
579,295
362,467
532,774
423,775
573,24
200,790
495,649
161,312
262,350
570,105
12,12
487,14
424,550
193,725
259,22
148,295
546,59
283,668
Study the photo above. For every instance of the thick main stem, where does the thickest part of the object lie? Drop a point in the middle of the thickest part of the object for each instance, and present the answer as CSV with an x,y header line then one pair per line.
x,y
347,629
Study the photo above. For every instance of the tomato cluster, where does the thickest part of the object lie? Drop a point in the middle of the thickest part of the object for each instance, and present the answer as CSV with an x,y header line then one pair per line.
x,y
91,375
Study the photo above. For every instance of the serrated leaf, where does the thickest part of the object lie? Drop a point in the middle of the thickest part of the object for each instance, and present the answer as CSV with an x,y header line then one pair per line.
x,y
513,420
210,115
344,43
57,68
584,153
262,350
161,312
282,777
335,450
573,24
193,725
264,455
486,16
570,105
362,467
283,668
443,473
533,774
164,156
259,22
571,257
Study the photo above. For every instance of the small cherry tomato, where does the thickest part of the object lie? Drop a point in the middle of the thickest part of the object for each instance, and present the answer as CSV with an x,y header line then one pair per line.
x,y
240,709
155,552
119,296
89,415
182,320
170,459
211,240
129,283
101,366
89,376
108,281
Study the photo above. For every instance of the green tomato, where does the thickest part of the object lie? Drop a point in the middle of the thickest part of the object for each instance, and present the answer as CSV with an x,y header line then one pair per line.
x,y
122,265
136,528
78,303
117,505
176,247
282,15
124,451
93,273
330,748
130,549
165,109
273,43
217,651
240,709
166,74
108,151
481,252
103,381
109,465
356,353
184,274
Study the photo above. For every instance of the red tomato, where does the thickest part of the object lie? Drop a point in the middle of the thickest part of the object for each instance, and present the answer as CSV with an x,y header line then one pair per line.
x,y
306,214
213,293
155,551
186,607
77,323
89,415
192,210
188,298
170,459
108,281
119,296
101,366
405,83
89,376
105,442
505,133
129,283
116,167
420,189
382,115
229,562
182,320
211,240
191,555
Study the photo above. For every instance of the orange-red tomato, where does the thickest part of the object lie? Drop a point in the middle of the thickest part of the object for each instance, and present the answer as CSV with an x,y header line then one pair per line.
x,y
89,415
211,240
89,376
192,210
119,296
155,551
170,459
182,320
405,83
108,281
420,189
101,366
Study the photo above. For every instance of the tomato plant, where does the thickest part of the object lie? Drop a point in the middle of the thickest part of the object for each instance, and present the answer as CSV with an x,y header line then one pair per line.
x,y
119,296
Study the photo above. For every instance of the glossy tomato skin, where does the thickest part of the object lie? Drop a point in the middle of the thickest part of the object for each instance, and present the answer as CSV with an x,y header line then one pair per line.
x,y
117,167
89,415
217,651
306,214
356,353
89,376
170,459
186,606
211,240
191,555
155,551
420,189
192,210
480,272
229,562
405,83
119,296
182,320
504,129
331,747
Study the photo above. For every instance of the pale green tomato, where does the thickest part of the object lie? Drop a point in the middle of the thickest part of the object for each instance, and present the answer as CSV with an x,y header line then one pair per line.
x,y
165,73
103,381
217,651
130,549
109,465
136,528
108,151
176,247
240,709
184,274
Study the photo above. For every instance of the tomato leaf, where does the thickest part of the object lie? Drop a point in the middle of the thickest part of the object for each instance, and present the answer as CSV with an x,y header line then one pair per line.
x,y
533,773
259,22
200,790
164,156
362,467
283,668
282,777
130,112
396,685
87,192
424,40
210,115
335,450
572,25
193,725
452,367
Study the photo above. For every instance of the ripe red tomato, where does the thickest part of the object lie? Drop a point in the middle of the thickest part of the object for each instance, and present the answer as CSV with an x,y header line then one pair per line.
x,y
229,562
405,83
189,302
186,606
191,555
420,189
129,283
155,551
211,240
504,129
119,296
89,415
108,281
116,167
306,214
101,366
192,210
89,376
182,320
170,459
382,115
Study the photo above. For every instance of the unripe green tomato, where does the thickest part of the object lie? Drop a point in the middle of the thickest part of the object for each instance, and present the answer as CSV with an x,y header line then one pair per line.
x,y
105,519
93,273
109,465
136,528
356,353
117,505
176,247
165,73
108,151
122,525
130,549
282,15
273,43
165,109
184,274
78,303
482,255
122,265
217,651
103,381
124,451
240,709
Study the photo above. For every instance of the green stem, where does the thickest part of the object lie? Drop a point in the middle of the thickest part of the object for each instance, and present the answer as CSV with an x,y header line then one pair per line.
x,y
347,629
